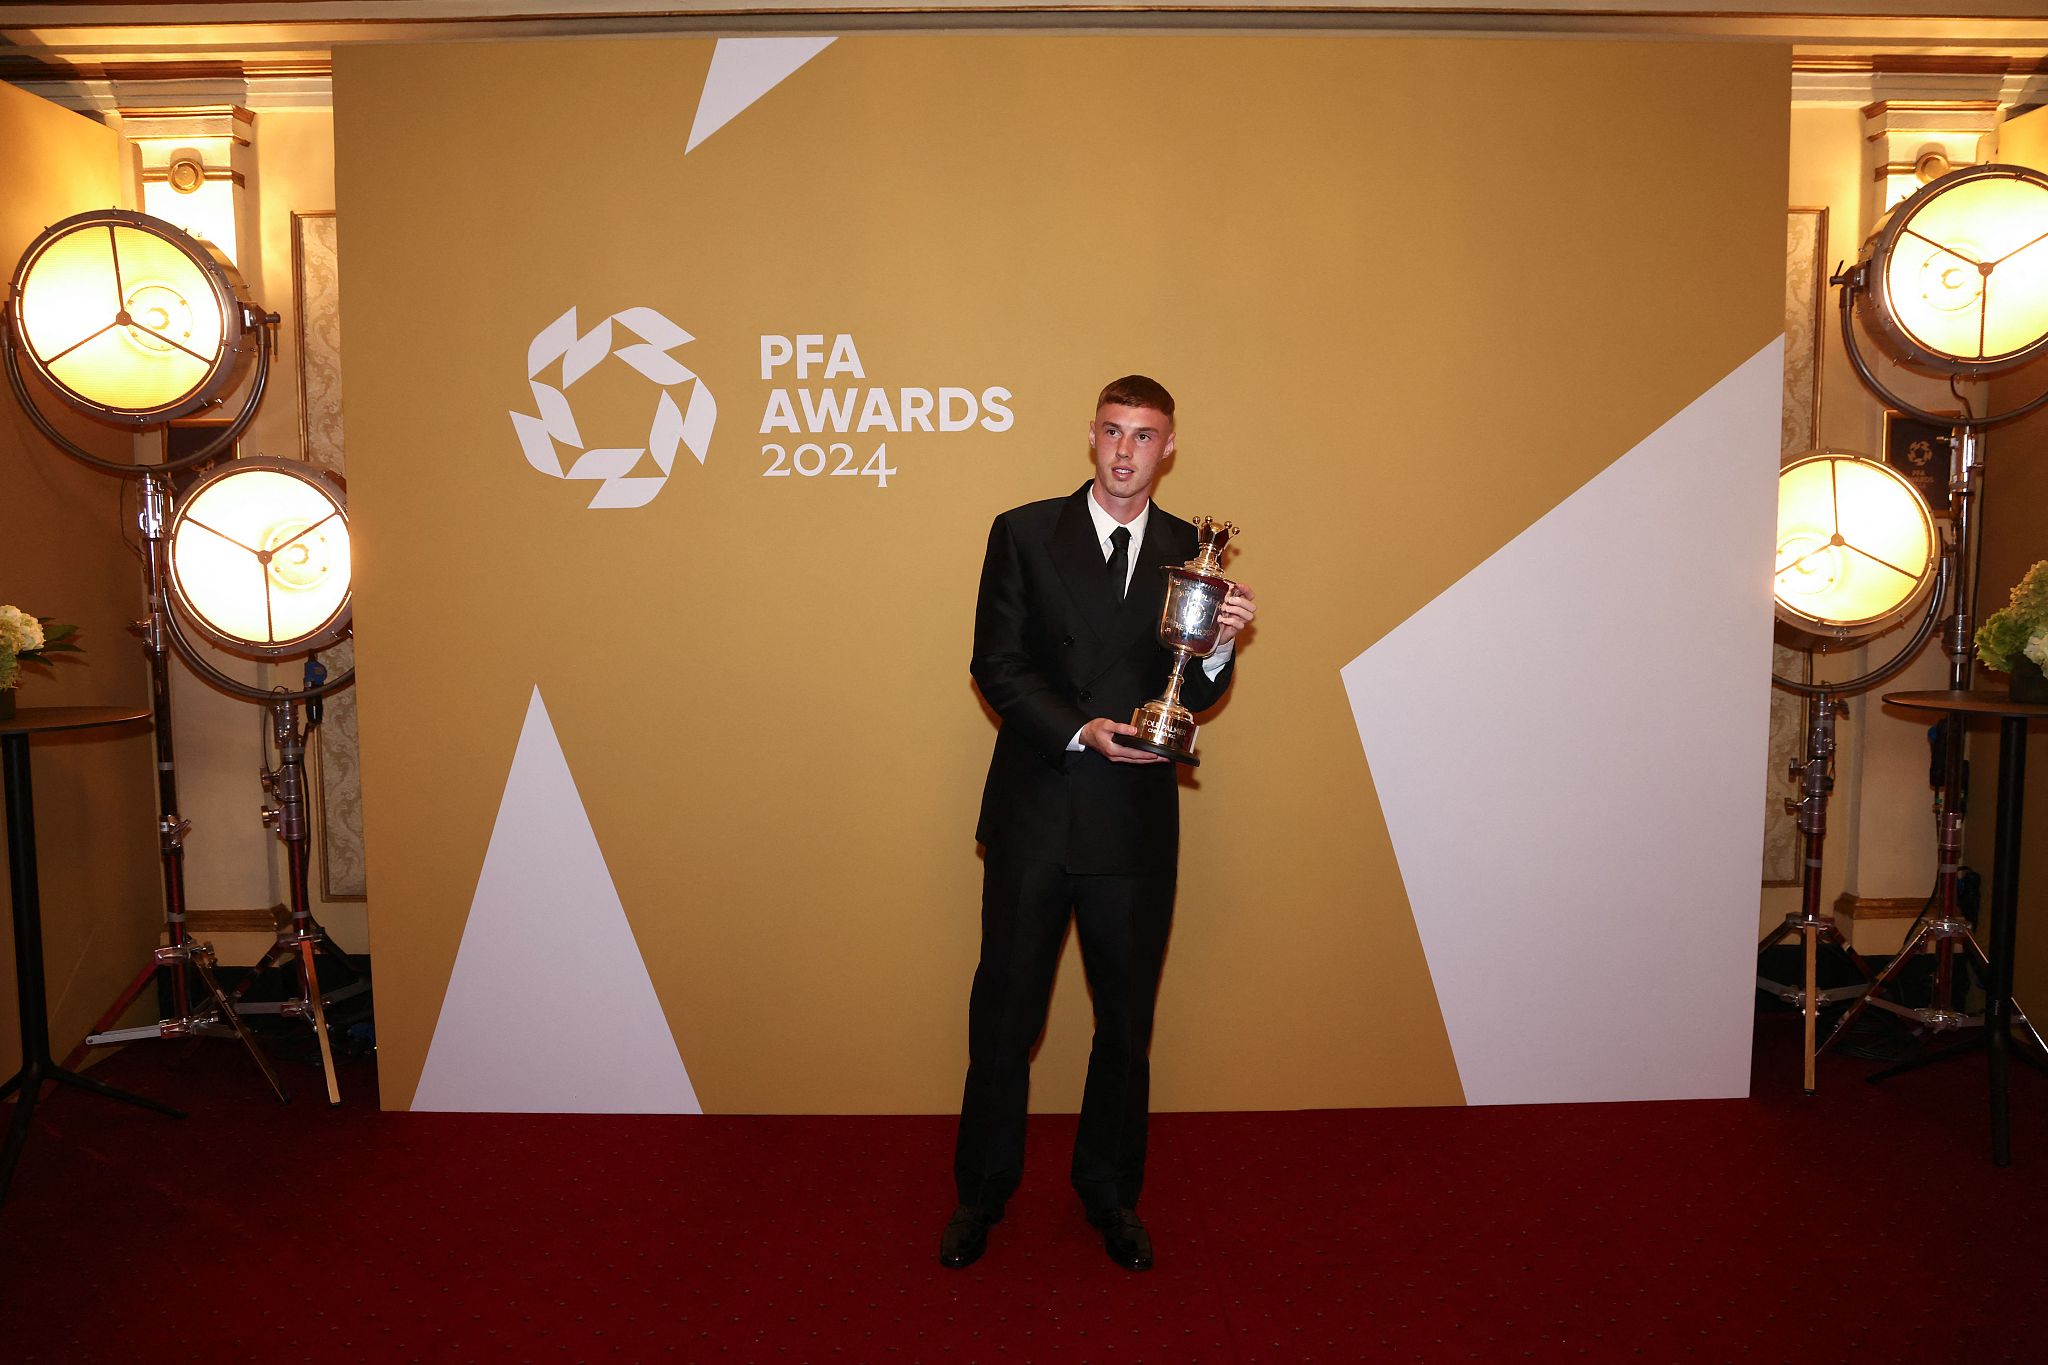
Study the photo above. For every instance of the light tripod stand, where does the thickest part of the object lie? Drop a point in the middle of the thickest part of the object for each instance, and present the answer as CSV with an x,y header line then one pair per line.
x,y
1923,282
1816,776
179,951
129,321
301,940
248,343
260,566
1822,531
1943,927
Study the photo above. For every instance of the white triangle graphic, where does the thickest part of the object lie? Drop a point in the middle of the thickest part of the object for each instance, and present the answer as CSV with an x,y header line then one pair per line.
x,y
1567,744
743,70
550,1008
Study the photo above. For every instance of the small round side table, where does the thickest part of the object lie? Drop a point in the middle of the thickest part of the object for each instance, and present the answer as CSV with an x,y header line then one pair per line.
x,y
2005,891
37,1066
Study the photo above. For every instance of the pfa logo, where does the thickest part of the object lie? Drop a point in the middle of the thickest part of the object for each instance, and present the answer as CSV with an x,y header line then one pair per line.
x,y
551,440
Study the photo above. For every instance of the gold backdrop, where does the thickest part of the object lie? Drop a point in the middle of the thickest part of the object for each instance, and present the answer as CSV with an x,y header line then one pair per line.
x,y
1411,294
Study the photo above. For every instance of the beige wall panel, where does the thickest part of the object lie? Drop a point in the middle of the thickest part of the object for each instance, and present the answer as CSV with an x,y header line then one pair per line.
x,y
1402,329
62,554
233,861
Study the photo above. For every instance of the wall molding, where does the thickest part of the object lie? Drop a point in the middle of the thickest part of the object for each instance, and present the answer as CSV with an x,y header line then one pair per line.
x,y
199,923
283,53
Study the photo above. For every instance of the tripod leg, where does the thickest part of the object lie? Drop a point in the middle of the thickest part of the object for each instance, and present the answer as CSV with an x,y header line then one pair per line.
x,y
1970,1044
202,963
1833,935
309,974
279,952
114,1011
1892,969
1811,1009
58,1073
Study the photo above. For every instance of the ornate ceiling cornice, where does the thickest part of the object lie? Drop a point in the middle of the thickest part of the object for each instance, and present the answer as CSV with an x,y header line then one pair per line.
x,y
280,55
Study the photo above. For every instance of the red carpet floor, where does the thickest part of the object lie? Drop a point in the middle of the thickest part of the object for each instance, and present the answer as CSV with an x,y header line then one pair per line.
x,y
1864,1223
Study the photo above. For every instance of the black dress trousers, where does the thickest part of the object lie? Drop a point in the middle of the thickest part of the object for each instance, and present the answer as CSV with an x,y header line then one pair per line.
x,y
1123,923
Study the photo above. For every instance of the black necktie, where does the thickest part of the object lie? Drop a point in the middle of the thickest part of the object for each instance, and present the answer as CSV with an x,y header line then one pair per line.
x,y
1120,558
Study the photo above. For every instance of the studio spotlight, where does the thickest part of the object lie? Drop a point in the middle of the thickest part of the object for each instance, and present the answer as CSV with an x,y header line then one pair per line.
x,y
131,321
260,558
126,319
1856,552
1952,283
259,566
1956,276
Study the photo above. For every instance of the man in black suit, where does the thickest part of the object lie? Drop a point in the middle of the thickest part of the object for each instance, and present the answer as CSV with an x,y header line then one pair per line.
x,y
1065,647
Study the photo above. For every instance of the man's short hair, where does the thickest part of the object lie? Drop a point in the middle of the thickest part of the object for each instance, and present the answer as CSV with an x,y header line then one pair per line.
x,y
1137,391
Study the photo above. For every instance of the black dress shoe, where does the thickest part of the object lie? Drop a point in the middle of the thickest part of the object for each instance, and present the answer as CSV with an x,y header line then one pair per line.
x,y
1124,1238
966,1236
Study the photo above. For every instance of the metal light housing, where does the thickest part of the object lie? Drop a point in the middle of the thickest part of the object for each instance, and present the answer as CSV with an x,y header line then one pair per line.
x,y
1857,549
259,554
1955,277
130,320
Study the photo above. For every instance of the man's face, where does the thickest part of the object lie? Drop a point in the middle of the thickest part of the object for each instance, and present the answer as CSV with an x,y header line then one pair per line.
x,y
1128,443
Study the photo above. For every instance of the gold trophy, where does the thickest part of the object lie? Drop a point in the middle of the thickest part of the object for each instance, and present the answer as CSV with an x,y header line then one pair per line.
x,y
1188,626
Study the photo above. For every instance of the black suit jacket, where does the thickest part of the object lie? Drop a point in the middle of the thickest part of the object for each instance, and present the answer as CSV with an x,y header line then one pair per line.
x,y
1055,647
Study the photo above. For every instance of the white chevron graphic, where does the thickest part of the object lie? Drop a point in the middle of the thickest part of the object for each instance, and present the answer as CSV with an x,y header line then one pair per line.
x,y
743,70
550,1008
1573,802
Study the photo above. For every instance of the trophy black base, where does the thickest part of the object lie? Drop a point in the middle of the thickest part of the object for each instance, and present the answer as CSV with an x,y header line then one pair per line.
x,y
1139,742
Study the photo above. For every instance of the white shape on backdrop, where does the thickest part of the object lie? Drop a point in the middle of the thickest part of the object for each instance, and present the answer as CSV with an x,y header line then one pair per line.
x,y
1575,820
544,437
743,70
550,1008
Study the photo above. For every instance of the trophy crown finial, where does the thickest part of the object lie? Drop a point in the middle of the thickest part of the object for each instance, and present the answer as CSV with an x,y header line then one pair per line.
x,y
1211,537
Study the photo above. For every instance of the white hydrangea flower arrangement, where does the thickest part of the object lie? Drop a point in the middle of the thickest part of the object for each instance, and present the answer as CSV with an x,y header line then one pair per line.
x,y
26,639
2016,635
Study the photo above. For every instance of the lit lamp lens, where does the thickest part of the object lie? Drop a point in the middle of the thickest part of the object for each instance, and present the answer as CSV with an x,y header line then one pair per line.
x,y
1959,272
260,557
129,319
1856,546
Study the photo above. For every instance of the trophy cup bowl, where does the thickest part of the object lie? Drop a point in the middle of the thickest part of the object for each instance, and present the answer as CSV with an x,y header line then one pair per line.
x,y
1188,625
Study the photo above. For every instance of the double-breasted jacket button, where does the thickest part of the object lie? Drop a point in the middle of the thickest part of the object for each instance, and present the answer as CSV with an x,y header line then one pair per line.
x,y
1085,694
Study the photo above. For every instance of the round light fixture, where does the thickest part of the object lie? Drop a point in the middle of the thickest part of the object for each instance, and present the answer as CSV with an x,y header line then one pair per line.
x,y
1856,550
259,553
1955,277
131,321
